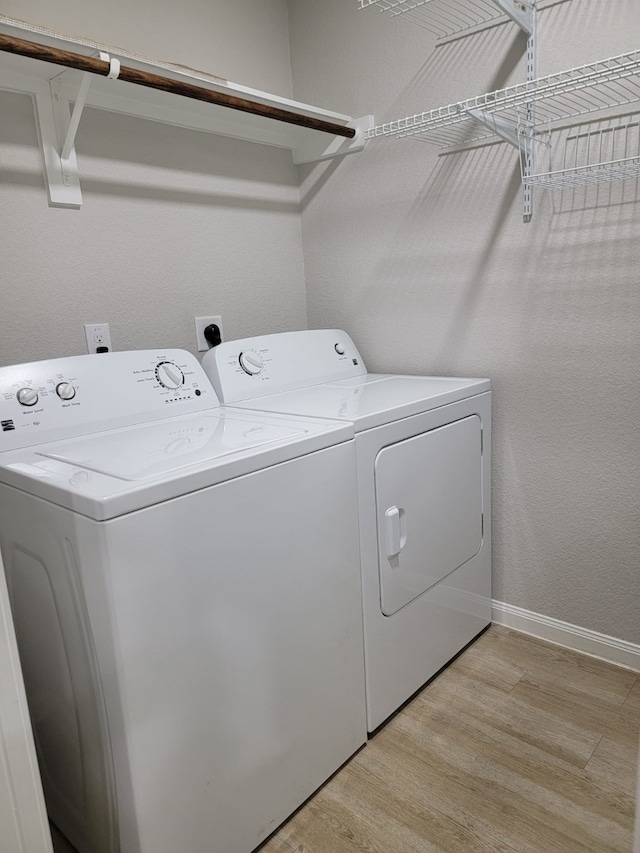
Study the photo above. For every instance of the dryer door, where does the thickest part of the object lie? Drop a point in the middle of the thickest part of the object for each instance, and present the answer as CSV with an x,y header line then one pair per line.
x,y
429,508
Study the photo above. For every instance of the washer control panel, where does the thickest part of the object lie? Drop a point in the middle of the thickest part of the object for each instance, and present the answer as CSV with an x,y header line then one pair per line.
x,y
270,364
64,397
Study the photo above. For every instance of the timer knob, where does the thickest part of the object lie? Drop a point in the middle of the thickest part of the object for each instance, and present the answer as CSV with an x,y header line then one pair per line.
x,y
27,397
169,375
339,348
65,391
251,362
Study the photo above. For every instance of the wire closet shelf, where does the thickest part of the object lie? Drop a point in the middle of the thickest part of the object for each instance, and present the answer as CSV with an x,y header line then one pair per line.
x,y
606,153
589,89
450,19
442,17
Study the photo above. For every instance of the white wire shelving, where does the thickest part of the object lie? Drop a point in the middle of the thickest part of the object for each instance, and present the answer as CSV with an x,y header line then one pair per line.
x,y
554,154
455,17
581,91
577,158
466,122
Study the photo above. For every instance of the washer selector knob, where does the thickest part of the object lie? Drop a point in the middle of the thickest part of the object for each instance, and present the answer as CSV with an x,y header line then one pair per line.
x,y
169,375
251,362
65,391
339,348
27,397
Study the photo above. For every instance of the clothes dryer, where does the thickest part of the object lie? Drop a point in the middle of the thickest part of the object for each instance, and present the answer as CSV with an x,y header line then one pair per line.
x,y
184,580
423,447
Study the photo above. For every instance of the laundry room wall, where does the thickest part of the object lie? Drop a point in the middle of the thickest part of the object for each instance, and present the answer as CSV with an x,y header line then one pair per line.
x,y
425,260
174,223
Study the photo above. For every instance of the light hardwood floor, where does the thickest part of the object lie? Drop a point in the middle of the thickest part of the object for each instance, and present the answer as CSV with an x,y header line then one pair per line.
x,y
518,745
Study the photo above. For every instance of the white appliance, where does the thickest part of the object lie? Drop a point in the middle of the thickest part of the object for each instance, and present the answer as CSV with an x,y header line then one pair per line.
x,y
423,447
184,581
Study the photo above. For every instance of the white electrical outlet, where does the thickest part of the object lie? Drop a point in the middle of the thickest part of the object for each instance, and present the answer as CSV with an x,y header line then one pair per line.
x,y
201,325
98,337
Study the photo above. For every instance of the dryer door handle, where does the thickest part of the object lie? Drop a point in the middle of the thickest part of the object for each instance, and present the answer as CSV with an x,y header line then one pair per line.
x,y
395,522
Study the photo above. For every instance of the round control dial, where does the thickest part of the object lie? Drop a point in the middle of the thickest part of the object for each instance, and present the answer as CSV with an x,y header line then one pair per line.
x,y
27,397
251,362
339,348
169,375
65,391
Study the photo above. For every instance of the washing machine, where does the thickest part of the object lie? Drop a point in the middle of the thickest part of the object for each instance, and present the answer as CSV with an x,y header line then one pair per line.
x,y
184,581
423,447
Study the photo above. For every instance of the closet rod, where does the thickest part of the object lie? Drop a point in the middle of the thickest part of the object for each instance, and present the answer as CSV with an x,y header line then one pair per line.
x,y
166,84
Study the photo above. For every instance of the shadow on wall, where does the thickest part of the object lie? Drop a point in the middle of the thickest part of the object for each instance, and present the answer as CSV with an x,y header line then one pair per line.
x,y
442,252
447,69
151,192
126,157
315,176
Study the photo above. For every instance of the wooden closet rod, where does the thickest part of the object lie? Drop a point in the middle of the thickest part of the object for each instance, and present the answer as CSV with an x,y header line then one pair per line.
x,y
166,84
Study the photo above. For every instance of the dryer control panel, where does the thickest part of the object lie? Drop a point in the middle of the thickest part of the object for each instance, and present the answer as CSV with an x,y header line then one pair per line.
x,y
270,364
64,397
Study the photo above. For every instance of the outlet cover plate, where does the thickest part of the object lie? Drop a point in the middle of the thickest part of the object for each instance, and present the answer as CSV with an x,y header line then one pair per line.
x,y
97,335
201,325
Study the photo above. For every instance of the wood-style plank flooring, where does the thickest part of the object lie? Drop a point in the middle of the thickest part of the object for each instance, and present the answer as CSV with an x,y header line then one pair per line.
x,y
518,745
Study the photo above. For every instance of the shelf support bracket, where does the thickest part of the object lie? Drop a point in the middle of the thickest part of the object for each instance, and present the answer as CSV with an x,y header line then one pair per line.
x,y
521,13
528,165
57,128
504,128
512,132
524,14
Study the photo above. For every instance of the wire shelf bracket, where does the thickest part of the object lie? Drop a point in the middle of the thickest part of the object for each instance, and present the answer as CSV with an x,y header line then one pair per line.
x,y
505,128
521,13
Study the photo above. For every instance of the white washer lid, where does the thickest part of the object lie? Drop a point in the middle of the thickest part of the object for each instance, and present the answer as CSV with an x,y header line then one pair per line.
x,y
371,400
111,473
155,450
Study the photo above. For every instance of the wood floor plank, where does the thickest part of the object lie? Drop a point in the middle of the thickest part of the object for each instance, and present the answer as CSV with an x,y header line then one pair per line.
x,y
529,795
633,699
484,742
530,723
488,666
557,665
432,801
619,722
614,764
502,807
342,818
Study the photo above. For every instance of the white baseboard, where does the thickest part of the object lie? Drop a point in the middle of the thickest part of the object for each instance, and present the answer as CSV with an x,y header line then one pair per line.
x,y
610,649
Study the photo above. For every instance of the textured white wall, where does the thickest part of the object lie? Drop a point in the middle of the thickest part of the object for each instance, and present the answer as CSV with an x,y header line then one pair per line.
x,y
174,223
425,260
245,41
